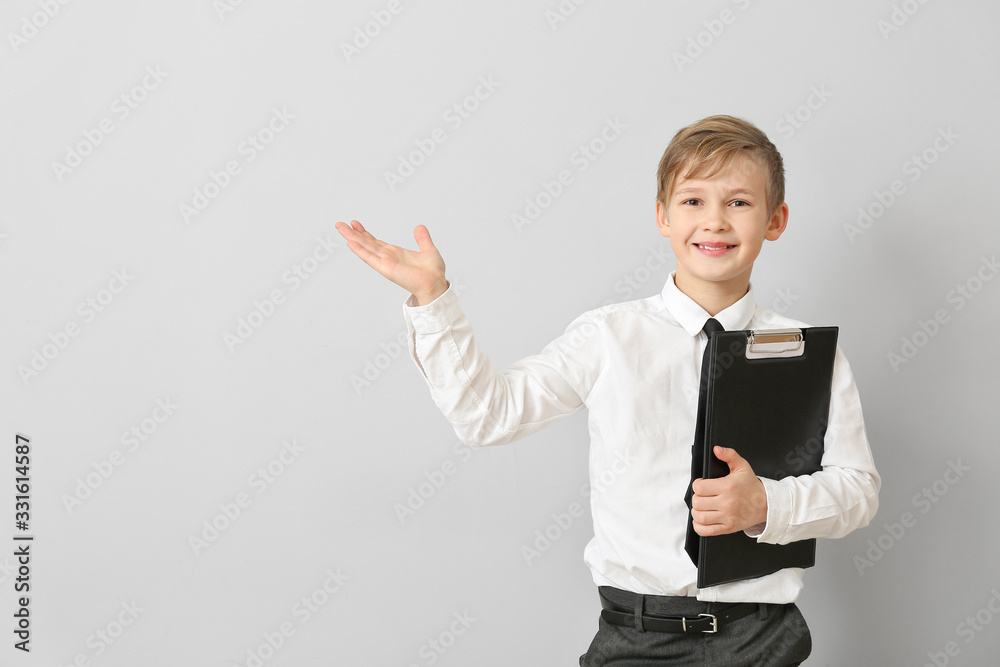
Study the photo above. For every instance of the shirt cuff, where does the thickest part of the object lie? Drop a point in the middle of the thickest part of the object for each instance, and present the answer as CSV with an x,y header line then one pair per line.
x,y
779,512
433,317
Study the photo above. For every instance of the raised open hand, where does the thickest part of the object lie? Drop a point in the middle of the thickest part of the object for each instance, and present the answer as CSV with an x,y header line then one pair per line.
x,y
419,272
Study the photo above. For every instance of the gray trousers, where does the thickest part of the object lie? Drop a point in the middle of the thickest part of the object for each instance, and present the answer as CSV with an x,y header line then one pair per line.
x,y
775,635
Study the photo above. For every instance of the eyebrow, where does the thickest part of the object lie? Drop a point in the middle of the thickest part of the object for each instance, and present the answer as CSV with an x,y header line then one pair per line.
x,y
735,191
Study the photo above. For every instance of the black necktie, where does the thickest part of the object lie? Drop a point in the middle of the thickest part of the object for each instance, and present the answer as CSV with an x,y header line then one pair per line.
x,y
697,449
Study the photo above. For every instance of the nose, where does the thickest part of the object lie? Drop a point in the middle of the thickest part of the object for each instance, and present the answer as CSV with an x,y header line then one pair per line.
x,y
716,218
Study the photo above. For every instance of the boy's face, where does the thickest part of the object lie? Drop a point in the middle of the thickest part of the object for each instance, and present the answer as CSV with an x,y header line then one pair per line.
x,y
717,226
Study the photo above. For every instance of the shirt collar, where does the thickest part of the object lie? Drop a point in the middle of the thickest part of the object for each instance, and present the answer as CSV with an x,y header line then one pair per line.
x,y
692,317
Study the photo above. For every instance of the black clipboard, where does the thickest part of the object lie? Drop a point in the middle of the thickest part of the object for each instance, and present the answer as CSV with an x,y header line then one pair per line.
x,y
768,397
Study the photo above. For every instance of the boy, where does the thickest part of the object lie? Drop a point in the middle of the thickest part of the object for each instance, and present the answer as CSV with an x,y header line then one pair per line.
x,y
636,367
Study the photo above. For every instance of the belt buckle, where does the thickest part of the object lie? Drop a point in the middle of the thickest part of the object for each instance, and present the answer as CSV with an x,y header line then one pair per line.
x,y
715,623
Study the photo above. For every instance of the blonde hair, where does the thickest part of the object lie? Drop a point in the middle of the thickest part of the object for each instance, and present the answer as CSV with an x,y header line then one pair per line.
x,y
706,147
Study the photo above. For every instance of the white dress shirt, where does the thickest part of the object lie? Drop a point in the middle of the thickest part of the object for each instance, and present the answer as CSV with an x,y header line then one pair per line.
x,y
636,367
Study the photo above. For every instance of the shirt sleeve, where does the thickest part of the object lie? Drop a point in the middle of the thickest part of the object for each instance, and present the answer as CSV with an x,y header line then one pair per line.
x,y
843,495
488,406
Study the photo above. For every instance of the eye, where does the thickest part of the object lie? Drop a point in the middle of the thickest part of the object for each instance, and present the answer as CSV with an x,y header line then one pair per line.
x,y
739,203
692,202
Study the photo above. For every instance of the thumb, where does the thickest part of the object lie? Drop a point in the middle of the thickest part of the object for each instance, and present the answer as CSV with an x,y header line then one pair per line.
x,y
423,238
731,458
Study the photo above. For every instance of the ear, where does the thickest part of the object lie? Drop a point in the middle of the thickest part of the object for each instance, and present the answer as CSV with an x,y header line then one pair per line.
x,y
776,225
661,218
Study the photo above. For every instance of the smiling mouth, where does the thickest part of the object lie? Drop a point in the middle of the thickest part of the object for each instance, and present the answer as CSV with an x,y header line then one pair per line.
x,y
714,246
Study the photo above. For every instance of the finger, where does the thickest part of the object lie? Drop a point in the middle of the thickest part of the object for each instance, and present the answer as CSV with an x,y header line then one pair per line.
x,y
366,247
360,232
352,233
731,458
725,453
365,253
359,245
361,237
346,230
704,487
711,530
705,517
373,243
423,238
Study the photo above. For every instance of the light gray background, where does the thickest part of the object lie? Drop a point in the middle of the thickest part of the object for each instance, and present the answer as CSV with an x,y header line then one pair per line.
x,y
886,96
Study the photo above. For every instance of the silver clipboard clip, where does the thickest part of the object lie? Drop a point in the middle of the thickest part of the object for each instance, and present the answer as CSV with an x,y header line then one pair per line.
x,y
775,343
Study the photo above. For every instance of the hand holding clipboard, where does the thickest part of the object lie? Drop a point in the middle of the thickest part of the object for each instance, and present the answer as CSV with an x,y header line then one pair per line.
x,y
768,397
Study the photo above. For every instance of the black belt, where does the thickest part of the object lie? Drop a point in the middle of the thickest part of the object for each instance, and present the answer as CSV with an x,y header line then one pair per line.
x,y
711,623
